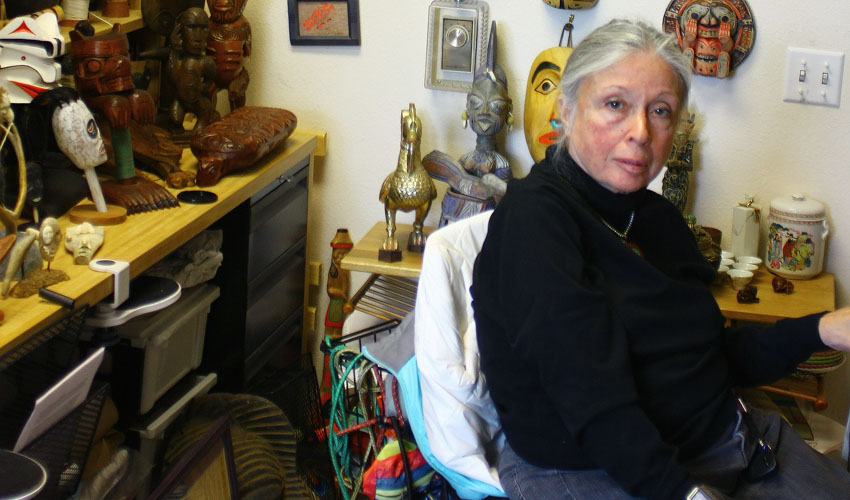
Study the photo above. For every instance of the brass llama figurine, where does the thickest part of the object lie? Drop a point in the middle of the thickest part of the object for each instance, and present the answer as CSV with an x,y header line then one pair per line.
x,y
408,188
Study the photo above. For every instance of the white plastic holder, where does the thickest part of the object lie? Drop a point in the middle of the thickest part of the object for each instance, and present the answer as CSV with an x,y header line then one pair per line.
x,y
120,270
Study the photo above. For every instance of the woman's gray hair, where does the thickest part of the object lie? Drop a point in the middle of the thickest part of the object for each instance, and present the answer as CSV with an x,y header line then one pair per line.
x,y
610,43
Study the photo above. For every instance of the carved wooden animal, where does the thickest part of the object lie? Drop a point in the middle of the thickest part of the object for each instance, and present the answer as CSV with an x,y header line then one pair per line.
x,y
238,140
409,188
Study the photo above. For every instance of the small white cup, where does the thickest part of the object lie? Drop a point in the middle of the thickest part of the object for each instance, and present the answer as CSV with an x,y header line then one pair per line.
x,y
727,262
740,278
745,266
749,259
725,254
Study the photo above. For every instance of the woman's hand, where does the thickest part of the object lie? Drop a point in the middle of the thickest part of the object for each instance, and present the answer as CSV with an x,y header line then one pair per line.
x,y
834,329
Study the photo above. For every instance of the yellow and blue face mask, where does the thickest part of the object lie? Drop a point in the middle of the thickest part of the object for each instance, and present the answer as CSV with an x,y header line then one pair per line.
x,y
541,122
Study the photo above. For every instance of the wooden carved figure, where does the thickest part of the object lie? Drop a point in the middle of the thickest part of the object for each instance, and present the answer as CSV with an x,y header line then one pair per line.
x,y
238,140
190,70
103,79
230,44
716,35
409,188
479,179
674,185
161,15
338,282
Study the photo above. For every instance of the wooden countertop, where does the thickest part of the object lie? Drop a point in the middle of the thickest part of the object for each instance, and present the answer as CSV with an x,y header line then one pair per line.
x,y
145,238
809,296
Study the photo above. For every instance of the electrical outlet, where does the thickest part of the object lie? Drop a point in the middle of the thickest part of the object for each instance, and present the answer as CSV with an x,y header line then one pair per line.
x,y
813,77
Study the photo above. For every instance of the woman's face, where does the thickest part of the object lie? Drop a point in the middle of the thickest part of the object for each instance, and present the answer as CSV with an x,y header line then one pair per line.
x,y
624,121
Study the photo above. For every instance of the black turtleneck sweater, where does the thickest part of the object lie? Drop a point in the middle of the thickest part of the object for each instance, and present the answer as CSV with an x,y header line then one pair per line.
x,y
598,357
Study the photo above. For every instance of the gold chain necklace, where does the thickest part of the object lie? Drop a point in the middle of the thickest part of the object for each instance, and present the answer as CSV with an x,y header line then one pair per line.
x,y
625,234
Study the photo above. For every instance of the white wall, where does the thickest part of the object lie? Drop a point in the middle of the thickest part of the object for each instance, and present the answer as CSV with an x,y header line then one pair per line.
x,y
749,139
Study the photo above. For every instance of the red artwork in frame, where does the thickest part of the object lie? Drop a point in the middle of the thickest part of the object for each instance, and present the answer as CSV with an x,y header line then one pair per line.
x,y
324,22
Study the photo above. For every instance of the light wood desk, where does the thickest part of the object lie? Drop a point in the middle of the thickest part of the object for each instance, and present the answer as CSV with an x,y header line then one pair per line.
x,y
146,238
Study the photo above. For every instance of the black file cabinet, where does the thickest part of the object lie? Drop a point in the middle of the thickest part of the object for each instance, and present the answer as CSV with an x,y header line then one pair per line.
x,y
261,280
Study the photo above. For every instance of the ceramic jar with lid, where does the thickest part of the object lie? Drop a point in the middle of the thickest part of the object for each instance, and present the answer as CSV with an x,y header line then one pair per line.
x,y
796,234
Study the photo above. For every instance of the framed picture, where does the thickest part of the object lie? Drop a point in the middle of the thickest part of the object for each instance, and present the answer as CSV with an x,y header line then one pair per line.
x,y
324,22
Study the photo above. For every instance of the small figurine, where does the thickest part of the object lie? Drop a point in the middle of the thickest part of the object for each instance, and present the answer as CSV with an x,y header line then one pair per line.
x,y
716,35
230,44
782,285
408,188
102,76
479,180
674,184
338,280
47,240
49,236
83,241
709,248
190,70
541,119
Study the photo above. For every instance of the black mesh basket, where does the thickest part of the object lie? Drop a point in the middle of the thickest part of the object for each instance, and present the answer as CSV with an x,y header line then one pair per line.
x,y
63,449
26,372
295,390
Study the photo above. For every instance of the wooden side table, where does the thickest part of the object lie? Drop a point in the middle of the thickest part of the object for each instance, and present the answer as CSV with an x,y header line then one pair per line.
x,y
809,296
390,291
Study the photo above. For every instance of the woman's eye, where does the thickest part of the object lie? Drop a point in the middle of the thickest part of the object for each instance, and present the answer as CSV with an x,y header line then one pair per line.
x,y
614,104
663,112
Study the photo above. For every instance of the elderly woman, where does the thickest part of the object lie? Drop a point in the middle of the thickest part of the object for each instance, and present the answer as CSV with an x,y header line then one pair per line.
x,y
604,351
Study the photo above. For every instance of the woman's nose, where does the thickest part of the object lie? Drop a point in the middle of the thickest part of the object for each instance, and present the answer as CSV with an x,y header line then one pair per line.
x,y
639,128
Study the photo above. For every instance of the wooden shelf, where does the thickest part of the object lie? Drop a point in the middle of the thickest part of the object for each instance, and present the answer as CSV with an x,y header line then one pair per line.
x,y
104,24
